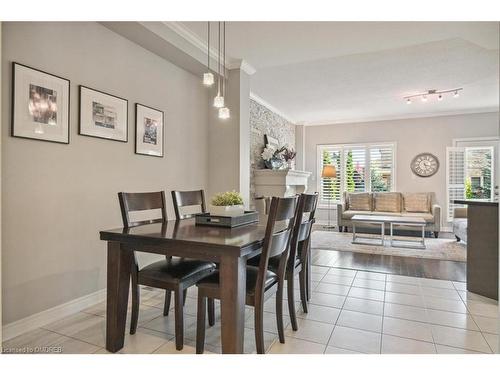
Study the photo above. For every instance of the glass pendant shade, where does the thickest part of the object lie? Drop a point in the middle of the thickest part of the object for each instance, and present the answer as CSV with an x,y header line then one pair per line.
x,y
208,79
219,101
224,113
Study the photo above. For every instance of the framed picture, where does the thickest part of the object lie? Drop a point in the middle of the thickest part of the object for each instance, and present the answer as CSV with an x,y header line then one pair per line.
x,y
40,105
148,131
103,115
273,142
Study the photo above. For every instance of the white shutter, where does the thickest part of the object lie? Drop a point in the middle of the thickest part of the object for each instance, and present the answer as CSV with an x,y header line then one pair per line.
x,y
330,188
355,159
455,177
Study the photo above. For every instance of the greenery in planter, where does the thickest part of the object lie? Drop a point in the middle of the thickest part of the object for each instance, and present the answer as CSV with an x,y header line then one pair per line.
x,y
229,198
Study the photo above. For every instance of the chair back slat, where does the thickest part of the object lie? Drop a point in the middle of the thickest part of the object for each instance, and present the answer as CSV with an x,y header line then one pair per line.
x,y
130,202
303,228
280,223
188,198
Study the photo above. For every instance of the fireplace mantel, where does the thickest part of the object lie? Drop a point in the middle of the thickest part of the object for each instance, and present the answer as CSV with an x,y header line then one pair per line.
x,y
280,183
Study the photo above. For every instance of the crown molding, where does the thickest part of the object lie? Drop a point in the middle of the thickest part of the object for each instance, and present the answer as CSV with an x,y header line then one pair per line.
x,y
243,65
201,44
272,108
404,117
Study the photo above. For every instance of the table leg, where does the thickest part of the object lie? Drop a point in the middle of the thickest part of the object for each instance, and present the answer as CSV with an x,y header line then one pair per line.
x,y
423,236
382,234
391,224
353,231
118,281
233,291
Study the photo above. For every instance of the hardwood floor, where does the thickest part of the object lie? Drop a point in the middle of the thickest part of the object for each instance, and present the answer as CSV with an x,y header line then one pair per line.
x,y
416,267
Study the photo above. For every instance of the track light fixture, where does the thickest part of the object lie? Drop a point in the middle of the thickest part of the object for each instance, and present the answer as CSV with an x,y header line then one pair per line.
x,y
430,93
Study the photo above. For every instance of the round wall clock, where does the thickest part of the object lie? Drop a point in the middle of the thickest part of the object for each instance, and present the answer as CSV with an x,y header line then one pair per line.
x,y
425,164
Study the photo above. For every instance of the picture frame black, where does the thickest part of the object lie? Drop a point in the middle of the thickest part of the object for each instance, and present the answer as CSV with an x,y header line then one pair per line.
x,y
13,127
80,114
137,133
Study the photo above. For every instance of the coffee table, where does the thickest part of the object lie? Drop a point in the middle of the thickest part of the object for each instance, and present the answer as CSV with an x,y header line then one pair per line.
x,y
393,221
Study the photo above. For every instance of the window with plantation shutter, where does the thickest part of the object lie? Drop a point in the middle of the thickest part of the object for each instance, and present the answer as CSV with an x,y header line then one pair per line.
x,y
360,168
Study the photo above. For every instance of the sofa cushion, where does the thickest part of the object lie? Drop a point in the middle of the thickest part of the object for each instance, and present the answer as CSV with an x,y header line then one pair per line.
x,y
350,213
416,202
429,218
387,202
359,201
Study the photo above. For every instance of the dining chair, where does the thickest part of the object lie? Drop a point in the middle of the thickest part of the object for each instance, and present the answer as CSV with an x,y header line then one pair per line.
x,y
298,259
261,283
172,274
190,198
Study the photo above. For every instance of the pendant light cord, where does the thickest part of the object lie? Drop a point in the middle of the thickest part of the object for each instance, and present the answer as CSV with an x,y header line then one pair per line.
x,y
208,48
224,62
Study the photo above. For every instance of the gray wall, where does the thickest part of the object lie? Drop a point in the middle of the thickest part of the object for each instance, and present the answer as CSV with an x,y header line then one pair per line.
x,y
412,136
57,197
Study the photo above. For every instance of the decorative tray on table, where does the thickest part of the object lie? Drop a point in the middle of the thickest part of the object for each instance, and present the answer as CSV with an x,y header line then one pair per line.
x,y
248,217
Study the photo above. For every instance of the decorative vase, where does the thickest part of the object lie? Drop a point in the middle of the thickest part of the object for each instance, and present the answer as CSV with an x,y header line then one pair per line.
x,y
231,211
274,163
291,164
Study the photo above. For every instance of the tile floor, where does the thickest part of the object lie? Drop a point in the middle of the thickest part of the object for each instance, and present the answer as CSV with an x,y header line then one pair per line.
x,y
350,312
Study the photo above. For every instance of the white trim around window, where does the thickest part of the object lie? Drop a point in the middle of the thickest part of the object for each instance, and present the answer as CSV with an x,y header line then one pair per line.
x,y
362,184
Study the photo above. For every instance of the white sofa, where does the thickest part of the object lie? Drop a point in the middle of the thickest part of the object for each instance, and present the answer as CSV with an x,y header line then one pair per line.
x,y
390,203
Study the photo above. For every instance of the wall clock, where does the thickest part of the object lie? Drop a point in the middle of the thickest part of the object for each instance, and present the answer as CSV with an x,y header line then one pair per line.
x,y
424,165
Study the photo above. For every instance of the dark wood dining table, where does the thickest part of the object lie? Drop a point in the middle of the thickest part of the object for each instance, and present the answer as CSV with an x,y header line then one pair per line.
x,y
229,247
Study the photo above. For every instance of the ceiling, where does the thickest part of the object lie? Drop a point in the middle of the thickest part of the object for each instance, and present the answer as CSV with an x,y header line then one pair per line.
x,y
331,72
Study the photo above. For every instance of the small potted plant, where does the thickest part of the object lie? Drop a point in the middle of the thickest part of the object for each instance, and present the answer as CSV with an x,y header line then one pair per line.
x,y
229,203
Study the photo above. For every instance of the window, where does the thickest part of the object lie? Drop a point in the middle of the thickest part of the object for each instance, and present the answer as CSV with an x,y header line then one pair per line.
x,y
469,174
360,168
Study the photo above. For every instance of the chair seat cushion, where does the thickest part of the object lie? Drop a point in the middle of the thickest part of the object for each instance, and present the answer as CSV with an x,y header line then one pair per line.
x,y
177,270
212,281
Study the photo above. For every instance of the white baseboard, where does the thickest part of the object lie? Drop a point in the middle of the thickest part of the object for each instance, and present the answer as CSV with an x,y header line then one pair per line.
x,y
51,315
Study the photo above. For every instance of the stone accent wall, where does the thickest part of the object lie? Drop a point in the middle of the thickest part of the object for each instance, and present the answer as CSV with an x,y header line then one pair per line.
x,y
264,121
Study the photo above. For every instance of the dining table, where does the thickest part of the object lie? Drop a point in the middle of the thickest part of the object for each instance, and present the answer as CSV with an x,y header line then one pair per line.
x,y
230,248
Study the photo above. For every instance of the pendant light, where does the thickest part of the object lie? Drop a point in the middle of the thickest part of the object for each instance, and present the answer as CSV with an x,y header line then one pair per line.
x,y
208,77
224,112
219,100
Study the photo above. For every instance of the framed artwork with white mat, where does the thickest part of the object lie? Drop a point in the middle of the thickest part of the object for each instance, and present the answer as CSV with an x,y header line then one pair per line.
x,y
149,132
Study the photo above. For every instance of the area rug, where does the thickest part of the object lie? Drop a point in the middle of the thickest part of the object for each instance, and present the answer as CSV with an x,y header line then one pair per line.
x,y
436,248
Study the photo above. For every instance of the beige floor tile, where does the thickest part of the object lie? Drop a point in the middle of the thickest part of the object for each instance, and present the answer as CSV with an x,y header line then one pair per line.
x,y
270,324
359,320
492,341
69,345
317,277
370,275
369,284
443,349
74,323
341,290
338,279
399,345
403,279
459,285
319,270
296,294
31,341
355,339
436,283
342,272
143,342
451,319
334,350
364,305
97,309
405,312
95,334
296,346
483,309
440,292
318,313
166,324
324,299
249,342
372,294
169,348
407,329
403,288
460,338
468,297
485,324
451,305
311,331
213,339
405,299
270,306
104,351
